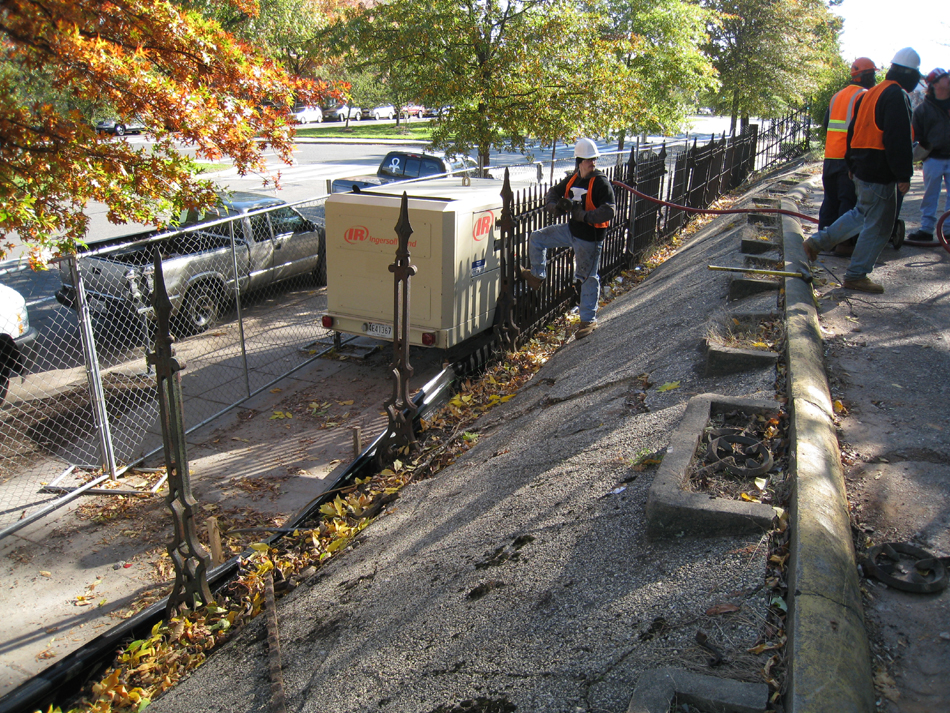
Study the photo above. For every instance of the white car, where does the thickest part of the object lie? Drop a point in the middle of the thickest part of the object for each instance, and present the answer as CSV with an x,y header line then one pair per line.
x,y
16,335
387,111
308,115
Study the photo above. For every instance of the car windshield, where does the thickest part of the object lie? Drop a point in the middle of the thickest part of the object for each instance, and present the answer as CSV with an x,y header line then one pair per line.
x,y
398,165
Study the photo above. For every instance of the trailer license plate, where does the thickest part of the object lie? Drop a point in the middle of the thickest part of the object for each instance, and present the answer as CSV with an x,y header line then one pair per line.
x,y
378,330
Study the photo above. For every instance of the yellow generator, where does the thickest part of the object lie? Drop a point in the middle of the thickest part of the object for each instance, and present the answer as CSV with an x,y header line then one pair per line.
x,y
455,246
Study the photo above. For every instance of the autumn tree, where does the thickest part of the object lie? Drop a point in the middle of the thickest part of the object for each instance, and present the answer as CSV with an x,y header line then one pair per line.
x,y
168,65
546,69
769,55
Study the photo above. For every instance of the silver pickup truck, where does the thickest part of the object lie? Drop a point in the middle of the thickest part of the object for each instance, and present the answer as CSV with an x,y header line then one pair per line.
x,y
272,242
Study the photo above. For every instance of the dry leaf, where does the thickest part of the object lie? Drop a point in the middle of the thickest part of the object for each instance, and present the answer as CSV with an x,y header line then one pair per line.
x,y
722,609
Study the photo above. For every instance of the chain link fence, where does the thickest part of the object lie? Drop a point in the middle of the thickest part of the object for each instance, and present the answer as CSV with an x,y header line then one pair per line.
x,y
247,294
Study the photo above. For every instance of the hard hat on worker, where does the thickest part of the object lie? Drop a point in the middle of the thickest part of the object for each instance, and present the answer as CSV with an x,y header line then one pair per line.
x,y
585,148
860,65
936,75
907,57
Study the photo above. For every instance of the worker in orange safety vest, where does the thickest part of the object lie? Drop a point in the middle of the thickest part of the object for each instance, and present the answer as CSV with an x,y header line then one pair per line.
x,y
839,196
879,157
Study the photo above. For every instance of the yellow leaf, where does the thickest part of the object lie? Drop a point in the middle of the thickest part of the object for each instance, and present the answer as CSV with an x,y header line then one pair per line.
x,y
346,403
669,386
337,544
44,573
839,407
760,483
748,498
260,547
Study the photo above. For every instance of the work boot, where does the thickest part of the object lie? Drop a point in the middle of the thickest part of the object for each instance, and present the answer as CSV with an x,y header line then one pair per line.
x,y
864,284
585,329
534,282
921,236
811,249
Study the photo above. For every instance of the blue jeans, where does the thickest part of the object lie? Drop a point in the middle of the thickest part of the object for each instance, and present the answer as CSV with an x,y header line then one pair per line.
x,y
936,172
586,262
873,216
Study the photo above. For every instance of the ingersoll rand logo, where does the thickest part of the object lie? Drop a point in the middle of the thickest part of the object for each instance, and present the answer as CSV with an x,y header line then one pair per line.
x,y
358,234
483,226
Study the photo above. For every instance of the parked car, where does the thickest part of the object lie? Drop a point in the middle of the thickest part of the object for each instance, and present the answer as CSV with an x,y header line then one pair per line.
x,y
413,110
308,115
338,112
386,111
16,336
120,127
199,267
402,166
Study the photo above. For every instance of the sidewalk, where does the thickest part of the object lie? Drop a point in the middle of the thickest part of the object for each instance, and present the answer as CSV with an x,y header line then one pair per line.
x,y
888,360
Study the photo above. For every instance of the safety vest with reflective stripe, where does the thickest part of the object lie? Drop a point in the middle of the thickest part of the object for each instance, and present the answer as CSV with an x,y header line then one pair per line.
x,y
866,134
840,112
588,199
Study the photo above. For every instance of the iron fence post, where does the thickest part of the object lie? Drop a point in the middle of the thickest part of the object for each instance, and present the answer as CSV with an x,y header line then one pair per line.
x,y
506,331
190,560
400,408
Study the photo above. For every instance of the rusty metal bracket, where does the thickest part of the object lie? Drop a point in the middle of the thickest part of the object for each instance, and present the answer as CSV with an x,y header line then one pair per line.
x,y
190,560
400,408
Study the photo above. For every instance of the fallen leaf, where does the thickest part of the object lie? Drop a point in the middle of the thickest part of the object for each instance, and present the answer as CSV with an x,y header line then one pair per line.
x,y
669,386
346,403
44,573
722,609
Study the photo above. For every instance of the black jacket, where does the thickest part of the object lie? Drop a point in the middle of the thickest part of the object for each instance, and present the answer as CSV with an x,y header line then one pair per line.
x,y
895,163
932,128
604,205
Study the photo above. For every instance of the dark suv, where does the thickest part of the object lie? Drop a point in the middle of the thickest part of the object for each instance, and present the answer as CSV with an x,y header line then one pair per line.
x,y
404,166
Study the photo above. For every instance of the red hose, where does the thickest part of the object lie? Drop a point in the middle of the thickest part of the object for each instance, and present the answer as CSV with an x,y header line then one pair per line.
x,y
941,238
712,211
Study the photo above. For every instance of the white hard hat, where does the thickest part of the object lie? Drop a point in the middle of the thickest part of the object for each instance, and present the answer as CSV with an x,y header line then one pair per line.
x,y
907,57
585,148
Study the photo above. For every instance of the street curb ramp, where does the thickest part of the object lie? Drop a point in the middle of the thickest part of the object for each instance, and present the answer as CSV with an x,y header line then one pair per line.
x,y
828,652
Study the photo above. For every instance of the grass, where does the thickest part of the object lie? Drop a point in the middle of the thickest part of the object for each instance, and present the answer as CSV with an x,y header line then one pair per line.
x,y
415,130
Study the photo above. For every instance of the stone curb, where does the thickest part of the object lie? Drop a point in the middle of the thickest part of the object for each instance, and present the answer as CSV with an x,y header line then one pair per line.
x,y
656,690
671,510
828,653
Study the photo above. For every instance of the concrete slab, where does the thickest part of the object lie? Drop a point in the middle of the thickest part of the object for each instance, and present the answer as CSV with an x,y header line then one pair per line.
x,y
657,690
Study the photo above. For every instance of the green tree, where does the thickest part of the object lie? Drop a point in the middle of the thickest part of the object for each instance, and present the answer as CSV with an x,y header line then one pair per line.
x,y
770,55
185,78
547,69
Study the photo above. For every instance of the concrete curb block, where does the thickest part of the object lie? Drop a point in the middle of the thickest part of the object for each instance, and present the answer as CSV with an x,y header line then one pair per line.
x,y
657,688
722,360
671,510
829,657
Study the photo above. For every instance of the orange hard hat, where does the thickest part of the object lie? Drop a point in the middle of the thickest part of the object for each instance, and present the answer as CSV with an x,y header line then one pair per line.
x,y
861,64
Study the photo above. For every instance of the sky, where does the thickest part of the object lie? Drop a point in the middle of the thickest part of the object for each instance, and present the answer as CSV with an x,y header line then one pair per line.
x,y
878,28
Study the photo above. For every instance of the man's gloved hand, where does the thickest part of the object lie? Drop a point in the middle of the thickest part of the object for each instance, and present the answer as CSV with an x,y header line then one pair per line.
x,y
577,214
564,205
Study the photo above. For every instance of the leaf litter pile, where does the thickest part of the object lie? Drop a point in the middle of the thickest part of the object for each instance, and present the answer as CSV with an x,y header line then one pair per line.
x,y
148,667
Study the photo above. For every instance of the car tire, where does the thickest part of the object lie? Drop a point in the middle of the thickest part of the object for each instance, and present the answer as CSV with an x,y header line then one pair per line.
x,y
200,309
359,115
119,130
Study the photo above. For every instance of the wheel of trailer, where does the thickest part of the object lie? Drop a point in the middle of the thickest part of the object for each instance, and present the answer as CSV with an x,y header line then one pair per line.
x,y
200,309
